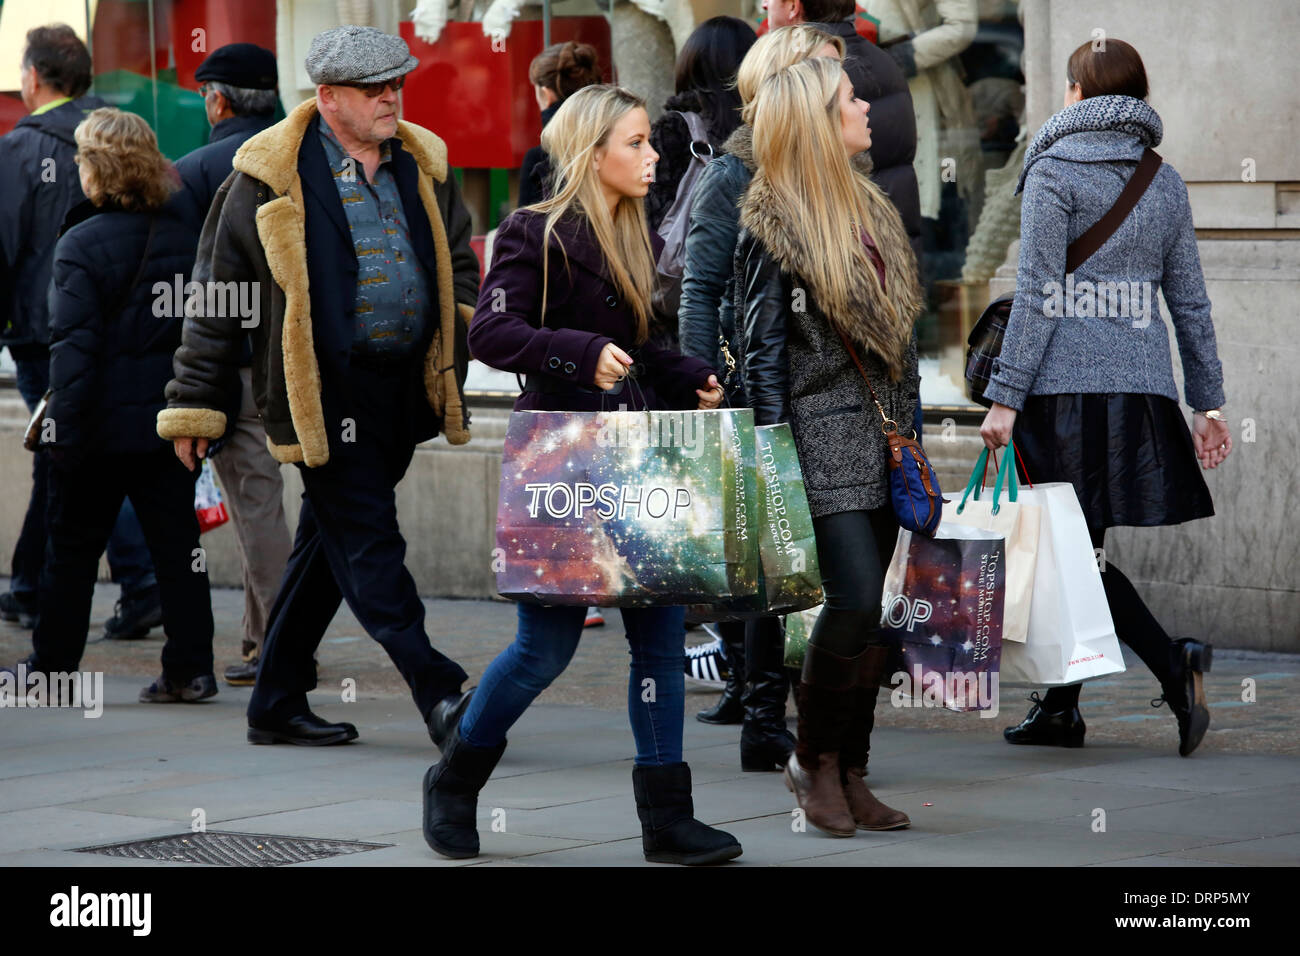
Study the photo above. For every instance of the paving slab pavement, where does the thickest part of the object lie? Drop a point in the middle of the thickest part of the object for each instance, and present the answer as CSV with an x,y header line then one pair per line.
x,y
561,795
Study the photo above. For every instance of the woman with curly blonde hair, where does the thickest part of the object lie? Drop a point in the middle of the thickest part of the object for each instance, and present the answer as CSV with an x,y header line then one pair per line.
x,y
111,344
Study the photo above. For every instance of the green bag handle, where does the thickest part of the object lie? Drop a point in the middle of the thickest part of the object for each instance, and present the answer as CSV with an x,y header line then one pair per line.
x,y
1007,477
1006,468
976,479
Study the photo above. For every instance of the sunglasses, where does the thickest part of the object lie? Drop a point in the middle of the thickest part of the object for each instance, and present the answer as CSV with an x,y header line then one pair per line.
x,y
377,89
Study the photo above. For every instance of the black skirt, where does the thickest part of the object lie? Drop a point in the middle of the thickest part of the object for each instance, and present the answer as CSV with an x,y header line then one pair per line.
x,y
1130,457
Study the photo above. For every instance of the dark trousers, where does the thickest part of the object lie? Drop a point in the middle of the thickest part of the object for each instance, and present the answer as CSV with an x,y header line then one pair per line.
x,y
1134,625
348,547
853,553
83,504
128,555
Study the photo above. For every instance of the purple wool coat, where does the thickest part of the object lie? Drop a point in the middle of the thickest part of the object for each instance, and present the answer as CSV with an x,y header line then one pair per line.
x,y
584,312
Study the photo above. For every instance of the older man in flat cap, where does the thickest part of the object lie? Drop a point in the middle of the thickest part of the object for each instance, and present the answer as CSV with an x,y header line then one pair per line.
x,y
352,227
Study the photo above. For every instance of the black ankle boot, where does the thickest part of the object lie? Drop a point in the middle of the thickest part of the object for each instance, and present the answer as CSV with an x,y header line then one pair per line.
x,y
1063,729
765,741
669,831
729,708
1184,691
451,788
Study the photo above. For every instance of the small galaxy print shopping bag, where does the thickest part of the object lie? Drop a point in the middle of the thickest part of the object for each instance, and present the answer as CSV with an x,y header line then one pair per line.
x,y
625,509
943,603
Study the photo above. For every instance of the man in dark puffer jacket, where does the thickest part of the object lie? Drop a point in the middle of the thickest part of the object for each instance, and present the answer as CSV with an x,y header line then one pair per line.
x,y
112,341
38,153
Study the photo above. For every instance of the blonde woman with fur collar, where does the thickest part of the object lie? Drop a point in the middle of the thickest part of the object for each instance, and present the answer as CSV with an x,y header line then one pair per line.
x,y
823,251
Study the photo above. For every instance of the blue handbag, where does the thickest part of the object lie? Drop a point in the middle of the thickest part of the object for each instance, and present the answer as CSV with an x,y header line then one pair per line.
x,y
913,485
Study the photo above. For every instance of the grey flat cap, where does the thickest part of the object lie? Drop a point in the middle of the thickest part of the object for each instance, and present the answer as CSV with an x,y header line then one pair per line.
x,y
352,54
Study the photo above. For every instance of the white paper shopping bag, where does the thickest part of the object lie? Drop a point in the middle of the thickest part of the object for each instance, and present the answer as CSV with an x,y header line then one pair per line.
x,y
1071,635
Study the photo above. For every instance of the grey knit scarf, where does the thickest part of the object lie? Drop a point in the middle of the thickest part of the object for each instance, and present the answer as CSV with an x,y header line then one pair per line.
x,y
1122,114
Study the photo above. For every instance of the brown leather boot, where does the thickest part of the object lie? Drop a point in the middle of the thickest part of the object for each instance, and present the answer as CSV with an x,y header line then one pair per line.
x,y
868,812
825,701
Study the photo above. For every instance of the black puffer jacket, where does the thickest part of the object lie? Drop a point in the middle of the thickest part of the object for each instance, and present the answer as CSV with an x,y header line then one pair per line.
x,y
878,79
41,185
110,362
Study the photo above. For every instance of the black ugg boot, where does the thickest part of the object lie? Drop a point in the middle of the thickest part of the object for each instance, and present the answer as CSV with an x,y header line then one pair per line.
x,y
451,788
669,831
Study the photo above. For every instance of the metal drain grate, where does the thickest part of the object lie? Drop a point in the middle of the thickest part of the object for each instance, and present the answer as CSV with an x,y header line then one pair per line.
x,y
232,849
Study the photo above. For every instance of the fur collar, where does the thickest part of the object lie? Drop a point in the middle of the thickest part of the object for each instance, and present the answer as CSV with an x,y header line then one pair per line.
x,y
271,157
741,145
862,315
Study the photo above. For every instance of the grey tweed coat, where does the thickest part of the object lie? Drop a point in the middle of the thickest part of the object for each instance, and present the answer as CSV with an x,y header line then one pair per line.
x,y
1102,330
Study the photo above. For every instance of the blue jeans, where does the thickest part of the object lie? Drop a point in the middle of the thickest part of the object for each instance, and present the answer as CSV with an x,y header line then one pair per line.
x,y
543,647
128,555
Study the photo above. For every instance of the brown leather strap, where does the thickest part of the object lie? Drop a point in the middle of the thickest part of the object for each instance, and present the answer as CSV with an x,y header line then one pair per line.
x,y
1082,248
884,419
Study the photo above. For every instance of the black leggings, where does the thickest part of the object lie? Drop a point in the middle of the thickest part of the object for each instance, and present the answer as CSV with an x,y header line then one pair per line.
x,y
1134,625
853,551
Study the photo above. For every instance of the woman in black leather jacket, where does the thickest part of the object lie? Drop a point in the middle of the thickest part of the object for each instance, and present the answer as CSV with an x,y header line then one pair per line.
x,y
758,683
812,263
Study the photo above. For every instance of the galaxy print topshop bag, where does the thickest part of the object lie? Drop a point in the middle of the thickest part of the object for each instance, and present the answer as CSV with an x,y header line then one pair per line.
x,y
627,509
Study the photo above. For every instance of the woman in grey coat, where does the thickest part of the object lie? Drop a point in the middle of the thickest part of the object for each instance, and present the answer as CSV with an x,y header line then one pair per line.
x,y
1084,383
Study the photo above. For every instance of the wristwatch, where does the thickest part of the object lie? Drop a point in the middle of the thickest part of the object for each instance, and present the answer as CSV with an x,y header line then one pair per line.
x,y
1215,414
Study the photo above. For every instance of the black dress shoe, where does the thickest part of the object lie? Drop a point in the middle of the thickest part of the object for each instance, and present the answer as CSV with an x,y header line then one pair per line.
x,y
1185,692
1063,729
446,716
306,730
243,674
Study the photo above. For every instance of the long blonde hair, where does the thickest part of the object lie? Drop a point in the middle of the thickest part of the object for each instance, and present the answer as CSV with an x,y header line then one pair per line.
x,y
777,49
582,125
814,188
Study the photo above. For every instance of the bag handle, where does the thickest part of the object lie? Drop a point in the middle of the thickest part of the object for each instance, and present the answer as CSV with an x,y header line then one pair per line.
x,y
1007,477
977,476
698,132
1082,248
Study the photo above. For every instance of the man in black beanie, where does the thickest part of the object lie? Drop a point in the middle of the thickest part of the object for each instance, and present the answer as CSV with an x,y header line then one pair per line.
x,y
239,87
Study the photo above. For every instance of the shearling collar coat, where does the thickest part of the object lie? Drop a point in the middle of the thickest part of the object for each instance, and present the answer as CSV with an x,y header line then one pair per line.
x,y
278,221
